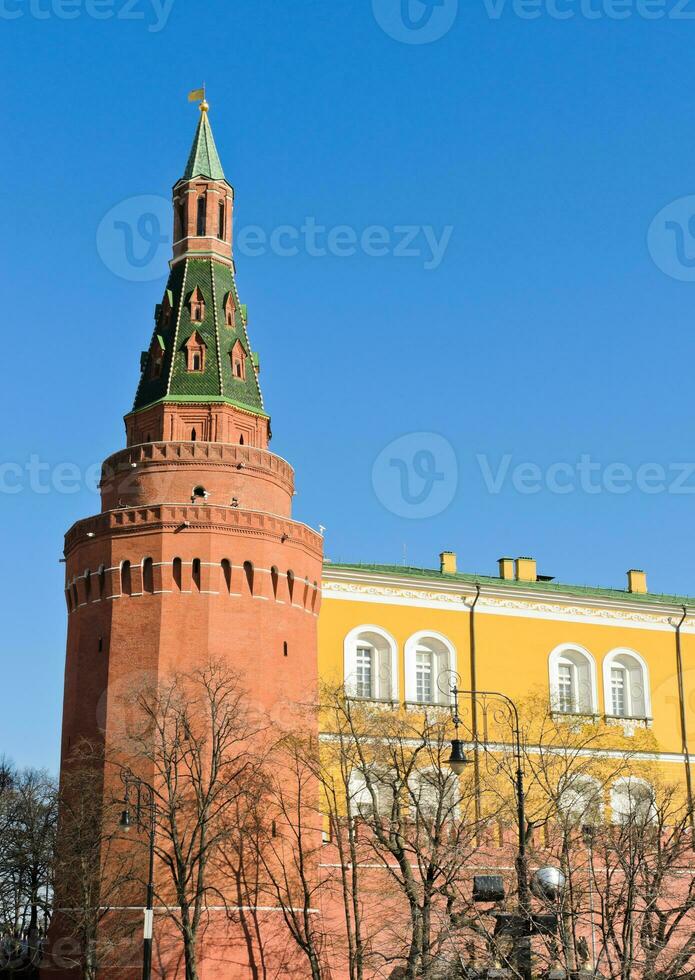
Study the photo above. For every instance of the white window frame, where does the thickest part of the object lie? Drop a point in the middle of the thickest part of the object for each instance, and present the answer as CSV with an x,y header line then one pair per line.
x,y
358,637
414,644
640,664
565,654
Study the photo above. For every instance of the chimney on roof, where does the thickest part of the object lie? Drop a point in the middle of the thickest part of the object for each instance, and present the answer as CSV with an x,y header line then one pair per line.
x,y
526,570
506,567
637,581
447,562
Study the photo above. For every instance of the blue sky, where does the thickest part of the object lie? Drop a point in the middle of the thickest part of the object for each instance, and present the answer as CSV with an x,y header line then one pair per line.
x,y
551,330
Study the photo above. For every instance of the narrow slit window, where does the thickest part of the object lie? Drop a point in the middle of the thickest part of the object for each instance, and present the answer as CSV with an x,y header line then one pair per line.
x,y
200,222
220,221
147,575
126,584
248,572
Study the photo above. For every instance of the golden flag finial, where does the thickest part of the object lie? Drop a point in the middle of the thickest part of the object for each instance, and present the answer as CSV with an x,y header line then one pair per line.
x,y
198,95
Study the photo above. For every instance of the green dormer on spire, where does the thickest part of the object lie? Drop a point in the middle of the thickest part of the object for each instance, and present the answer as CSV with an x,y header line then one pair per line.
x,y
203,160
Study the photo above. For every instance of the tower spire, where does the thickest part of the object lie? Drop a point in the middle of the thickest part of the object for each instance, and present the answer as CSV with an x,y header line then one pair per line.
x,y
203,160
199,377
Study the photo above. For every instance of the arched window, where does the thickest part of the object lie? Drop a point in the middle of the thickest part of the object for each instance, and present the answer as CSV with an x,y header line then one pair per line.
x,y
126,585
200,219
626,685
227,573
314,596
290,584
88,586
193,435
360,792
428,658
274,578
433,794
73,593
572,680
147,575
101,578
195,572
632,800
229,310
241,440
177,573
284,648
220,221
248,572
371,664
580,800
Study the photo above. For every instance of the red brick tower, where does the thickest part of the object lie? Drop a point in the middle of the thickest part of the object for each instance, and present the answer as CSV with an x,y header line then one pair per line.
x,y
194,555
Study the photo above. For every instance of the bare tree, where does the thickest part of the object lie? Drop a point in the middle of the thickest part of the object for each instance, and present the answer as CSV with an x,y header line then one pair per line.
x,y
92,870
194,745
28,814
642,868
419,828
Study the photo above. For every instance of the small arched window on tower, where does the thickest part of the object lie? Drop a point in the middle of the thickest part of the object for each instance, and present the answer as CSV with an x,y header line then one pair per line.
x,y
229,311
177,573
195,572
200,216
195,353
147,576
156,356
126,584
166,308
196,305
274,578
238,358
290,584
220,221
88,586
101,579
248,572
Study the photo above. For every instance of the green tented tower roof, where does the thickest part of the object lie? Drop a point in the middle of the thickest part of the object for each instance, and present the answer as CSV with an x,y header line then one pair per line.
x,y
174,326
203,160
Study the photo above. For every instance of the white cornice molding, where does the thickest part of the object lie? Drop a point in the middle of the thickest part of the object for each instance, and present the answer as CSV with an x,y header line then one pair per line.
x,y
498,600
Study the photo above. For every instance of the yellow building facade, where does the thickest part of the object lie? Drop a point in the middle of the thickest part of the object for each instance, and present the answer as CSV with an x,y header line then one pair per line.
x,y
620,659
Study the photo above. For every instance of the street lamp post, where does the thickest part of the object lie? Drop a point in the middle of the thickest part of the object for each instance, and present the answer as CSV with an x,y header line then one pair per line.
x,y
145,819
458,762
